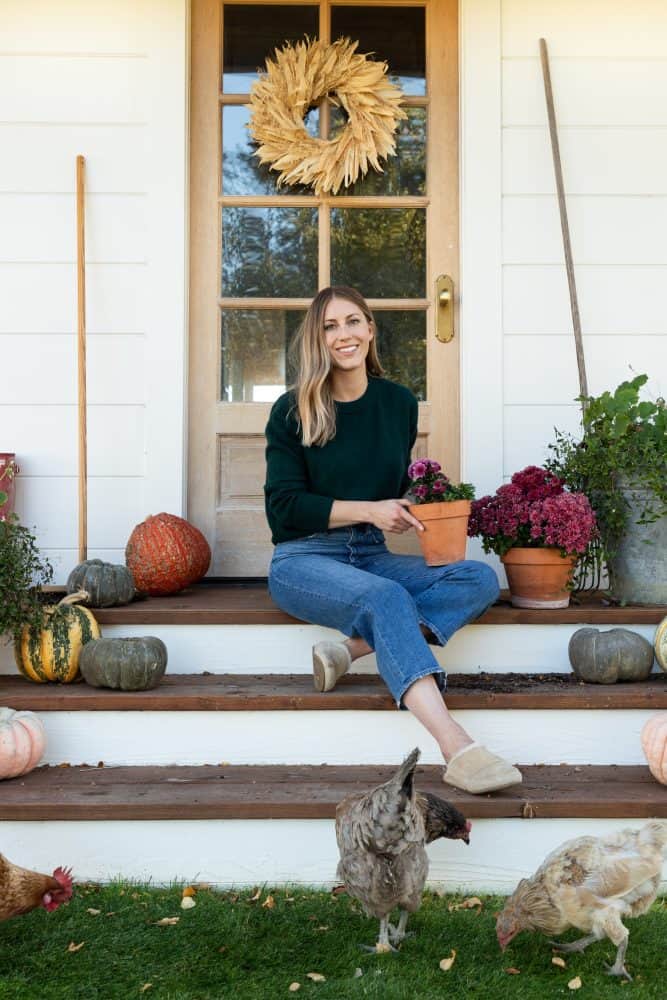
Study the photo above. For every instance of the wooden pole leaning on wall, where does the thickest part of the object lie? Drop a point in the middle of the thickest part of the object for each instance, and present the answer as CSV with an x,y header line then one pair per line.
x,y
81,355
564,224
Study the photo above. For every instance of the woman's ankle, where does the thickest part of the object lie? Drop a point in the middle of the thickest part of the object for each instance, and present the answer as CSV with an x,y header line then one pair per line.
x,y
357,647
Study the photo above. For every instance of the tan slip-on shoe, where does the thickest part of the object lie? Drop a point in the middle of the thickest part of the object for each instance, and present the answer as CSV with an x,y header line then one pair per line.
x,y
330,661
476,770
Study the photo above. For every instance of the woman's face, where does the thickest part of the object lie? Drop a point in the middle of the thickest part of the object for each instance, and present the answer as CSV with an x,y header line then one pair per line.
x,y
348,334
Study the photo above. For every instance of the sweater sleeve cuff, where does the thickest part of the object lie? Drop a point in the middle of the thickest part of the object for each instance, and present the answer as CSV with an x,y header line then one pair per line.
x,y
313,512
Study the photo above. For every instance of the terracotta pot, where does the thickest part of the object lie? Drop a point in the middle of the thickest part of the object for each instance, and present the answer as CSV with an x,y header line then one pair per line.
x,y
538,578
445,530
8,470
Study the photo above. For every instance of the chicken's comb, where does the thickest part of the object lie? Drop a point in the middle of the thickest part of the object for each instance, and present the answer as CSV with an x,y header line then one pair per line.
x,y
64,877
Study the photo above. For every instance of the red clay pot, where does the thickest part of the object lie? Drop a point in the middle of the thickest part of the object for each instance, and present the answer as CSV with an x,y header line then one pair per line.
x,y
445,532
8,470
538,578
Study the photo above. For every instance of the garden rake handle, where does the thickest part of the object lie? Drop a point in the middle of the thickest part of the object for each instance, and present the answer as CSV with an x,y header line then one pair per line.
x,y
81,354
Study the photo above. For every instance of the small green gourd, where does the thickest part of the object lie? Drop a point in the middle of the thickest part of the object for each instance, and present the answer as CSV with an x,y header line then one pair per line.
x,y
135,664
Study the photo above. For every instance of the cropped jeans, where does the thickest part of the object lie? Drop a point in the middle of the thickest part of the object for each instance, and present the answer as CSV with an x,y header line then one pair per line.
x,y
347,579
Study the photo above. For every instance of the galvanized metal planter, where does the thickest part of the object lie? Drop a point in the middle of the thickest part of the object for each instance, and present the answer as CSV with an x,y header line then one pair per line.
x,y
638,571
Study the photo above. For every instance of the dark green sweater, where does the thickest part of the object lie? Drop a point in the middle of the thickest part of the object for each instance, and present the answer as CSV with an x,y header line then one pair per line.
x,y
366,460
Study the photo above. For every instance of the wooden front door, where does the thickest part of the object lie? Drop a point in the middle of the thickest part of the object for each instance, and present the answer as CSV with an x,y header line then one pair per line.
x,y
259,254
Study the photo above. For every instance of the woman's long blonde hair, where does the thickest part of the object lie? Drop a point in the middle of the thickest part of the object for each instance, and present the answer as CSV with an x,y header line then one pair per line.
x,y
316,411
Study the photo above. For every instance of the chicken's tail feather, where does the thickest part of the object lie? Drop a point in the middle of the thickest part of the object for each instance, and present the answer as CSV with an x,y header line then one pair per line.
x,y
406,772
655,832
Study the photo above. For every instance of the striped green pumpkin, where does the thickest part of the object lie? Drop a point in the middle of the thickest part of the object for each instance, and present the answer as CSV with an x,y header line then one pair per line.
x,y
52,653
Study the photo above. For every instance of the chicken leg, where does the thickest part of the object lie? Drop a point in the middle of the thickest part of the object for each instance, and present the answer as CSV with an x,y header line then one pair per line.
x,y
383,945
399,933
619,935
575,946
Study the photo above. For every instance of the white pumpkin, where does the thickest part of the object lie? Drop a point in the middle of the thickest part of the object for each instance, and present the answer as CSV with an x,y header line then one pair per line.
x,y
22,742
654,745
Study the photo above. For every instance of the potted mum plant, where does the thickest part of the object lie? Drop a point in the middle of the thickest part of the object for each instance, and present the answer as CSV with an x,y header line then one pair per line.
x,y
443,508
620,462
539,530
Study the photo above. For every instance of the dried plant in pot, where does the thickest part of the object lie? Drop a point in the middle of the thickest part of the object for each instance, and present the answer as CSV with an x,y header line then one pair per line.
x,y
539,530
8,473
620,462
443,508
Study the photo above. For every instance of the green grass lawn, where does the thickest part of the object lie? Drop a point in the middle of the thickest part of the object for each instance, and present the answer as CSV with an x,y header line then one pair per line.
x,y
228,946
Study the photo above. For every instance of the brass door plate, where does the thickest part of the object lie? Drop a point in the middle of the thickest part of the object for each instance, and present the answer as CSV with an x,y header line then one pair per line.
x,y
444,308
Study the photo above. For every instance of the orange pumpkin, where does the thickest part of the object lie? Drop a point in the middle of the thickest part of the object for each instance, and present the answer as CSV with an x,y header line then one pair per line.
x,y
654,745
165,553
22,742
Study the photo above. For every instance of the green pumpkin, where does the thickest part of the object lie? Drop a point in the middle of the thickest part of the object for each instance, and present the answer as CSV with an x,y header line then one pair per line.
x,y
129,664
107,585
606,657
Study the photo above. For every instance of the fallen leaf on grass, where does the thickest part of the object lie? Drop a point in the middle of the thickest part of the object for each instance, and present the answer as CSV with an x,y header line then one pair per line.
x,y
466,904
93,913
358,973
324,927
446,963
167,921
188,891
187,903
111,913
258,895
146,986
293,987
574,984
316,977
75,947
512,971
557,960
268,903
338,890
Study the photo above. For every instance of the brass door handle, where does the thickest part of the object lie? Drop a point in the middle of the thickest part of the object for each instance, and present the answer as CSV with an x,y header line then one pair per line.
x,y
444,308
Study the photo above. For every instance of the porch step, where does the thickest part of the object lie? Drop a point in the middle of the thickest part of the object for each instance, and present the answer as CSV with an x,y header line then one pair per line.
x,y
299,792
237,603
294,692
270,720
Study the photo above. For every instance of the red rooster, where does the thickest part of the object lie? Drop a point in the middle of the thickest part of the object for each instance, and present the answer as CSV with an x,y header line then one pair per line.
x,y
22,890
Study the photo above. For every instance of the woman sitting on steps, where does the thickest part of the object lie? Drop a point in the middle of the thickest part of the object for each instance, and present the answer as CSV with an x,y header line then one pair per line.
x,y
338,449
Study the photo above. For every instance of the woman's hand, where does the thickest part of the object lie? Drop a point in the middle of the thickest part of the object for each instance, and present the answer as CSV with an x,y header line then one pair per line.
x,y
392,515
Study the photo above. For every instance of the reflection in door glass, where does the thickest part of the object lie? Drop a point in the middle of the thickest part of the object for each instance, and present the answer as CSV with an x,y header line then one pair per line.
x,y
404,173
401,340
380,251
394,35
252,32
269,252
253,346
242,173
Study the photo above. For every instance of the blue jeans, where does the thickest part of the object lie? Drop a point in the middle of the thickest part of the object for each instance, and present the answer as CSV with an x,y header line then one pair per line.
x,y
347,579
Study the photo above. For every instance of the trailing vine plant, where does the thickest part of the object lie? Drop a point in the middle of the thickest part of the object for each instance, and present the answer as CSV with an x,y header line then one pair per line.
x,y
623,446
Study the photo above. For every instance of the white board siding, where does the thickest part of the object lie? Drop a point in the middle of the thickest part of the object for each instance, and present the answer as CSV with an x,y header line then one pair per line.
x,y
344,738
609,73
603,230
613,300
109,81
67,87
590,29
47,437
542,371
271,852
116,155
609,161
41,298
287,649
600,92
41,227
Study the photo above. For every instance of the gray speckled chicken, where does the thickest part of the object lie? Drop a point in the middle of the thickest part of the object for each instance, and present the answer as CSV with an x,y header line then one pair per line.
x,y
381,836
590,883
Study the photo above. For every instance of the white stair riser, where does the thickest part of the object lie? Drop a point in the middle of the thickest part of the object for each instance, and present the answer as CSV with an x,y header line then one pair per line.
x,y
239,853
526,737
286,649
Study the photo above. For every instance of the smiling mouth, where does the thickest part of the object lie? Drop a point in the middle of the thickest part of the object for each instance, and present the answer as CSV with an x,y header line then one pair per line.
x,y
347,351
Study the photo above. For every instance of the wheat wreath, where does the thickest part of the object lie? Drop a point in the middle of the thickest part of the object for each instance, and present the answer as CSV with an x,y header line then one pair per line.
x,y
296,79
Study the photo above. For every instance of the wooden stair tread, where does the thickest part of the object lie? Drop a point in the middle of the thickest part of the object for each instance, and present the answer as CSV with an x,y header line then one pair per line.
x,y
237,603
294,692
302,792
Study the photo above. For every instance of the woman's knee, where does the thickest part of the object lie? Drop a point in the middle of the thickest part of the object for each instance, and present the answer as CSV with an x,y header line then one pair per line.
x,y
485,579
